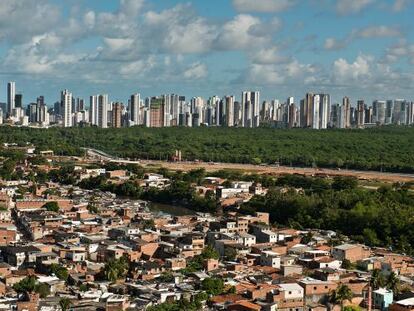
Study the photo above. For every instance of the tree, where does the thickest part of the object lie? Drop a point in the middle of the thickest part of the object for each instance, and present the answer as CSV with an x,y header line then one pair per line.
x,y
346,264
42,289
51,206
230,253
341,294
213,286
344,183
393,283
377,279
307,238
65,303
26,285
210,253
115,269
148,224
60,272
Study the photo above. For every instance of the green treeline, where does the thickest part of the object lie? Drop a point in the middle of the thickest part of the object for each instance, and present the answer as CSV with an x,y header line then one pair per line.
x,y
384,217
387,148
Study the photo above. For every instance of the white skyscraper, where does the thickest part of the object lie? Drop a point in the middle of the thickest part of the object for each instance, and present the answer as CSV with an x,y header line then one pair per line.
x,y
324,110
315,111
66,104
250,109
11,93
103,105
93,108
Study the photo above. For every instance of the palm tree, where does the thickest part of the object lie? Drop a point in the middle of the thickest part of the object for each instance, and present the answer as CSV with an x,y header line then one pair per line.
x,y
65,303
393,283
340,295
377,279
111,271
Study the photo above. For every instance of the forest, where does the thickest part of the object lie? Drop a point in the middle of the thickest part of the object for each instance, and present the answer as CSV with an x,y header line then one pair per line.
x,y
384,148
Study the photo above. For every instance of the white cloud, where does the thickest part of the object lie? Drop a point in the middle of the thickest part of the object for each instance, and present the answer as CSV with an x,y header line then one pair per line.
x,y
239,33
399,5
22,19
264,6
268,56
378,32
346,72
370,32
345,7
196,71
334,44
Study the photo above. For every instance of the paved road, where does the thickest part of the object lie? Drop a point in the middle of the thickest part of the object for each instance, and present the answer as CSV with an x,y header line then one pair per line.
x,y
261,169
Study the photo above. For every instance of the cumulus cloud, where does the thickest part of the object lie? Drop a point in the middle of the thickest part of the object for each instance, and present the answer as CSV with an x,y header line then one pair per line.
x,y
370,32
196,71
345,72
22,19
268,56
264,6
242,32
345,7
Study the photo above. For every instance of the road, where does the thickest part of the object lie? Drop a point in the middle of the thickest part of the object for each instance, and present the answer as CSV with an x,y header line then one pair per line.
x,y
260,169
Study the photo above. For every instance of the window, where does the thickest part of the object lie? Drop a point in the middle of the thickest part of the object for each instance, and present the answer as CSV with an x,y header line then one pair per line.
x,y
326,287
314,288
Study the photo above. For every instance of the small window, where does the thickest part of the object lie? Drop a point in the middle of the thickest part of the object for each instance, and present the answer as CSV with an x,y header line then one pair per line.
x,y
326,287
314,288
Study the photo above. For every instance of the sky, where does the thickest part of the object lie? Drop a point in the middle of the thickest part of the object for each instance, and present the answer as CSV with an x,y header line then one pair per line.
x,y
363,49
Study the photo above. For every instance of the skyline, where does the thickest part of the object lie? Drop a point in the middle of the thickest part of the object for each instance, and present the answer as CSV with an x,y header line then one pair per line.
x,y
362,49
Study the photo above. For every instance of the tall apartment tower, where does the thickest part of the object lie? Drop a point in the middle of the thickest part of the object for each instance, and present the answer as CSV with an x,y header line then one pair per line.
x,y
324,110
93,108
346,112
250,109
117,115
11,95
309,106
292,115
379,111
103,103
66,105
315,111
135,109
156,112
360,117
229,110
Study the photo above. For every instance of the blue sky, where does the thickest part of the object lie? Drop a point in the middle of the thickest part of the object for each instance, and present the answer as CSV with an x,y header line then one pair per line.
x,y
358,48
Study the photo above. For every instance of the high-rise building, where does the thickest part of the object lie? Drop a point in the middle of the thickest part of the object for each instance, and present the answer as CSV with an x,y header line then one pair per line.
x,y
229,110
103,107
117,115
66,104
156,109
93,108
11,93
250,109
360,114
307,110
315,111
134,108
18,101
324,110
346,113
292,115
379,111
